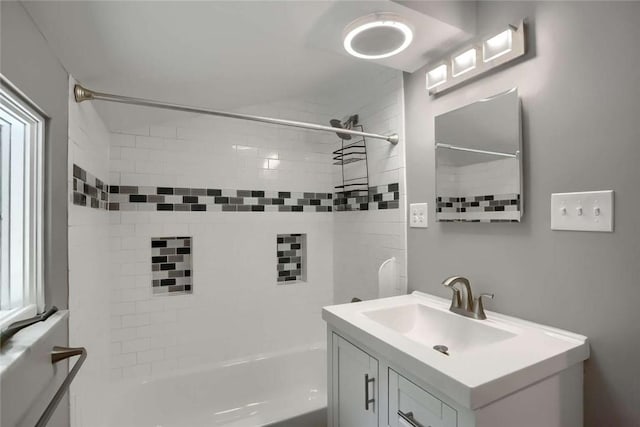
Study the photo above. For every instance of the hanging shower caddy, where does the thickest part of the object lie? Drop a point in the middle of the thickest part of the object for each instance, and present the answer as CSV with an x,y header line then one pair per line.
x,y
352,159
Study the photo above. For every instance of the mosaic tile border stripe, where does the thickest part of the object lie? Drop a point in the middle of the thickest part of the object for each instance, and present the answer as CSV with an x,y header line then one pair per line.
x,y
171,265
89,190
93,192
478,220
380,197
488,203
486,208
132,198
291,254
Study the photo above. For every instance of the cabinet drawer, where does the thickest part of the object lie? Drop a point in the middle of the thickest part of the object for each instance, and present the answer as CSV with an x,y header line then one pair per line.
x,y
410,405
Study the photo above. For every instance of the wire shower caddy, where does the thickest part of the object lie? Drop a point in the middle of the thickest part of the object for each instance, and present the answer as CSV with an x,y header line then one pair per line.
x,y
353,153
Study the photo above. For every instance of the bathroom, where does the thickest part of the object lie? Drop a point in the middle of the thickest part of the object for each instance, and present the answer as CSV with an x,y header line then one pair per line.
x,y
238,211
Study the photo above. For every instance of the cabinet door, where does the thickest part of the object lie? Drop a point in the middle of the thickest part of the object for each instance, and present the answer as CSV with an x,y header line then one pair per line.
x,y
411,406
355,386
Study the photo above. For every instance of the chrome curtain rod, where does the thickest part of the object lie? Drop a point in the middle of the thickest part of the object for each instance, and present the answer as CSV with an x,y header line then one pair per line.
x,y
84,94
473,150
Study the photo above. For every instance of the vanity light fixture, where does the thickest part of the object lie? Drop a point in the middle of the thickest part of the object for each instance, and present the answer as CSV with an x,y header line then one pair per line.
x,y
464,62
477,58
376,36
437,76
498,45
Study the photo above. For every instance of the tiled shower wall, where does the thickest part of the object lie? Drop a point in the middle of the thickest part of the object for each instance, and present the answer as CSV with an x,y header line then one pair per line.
x,y
237,308
89,284
234,311
365,239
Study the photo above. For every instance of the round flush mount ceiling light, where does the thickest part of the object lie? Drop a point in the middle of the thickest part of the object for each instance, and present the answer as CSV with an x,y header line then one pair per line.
x,y
376,36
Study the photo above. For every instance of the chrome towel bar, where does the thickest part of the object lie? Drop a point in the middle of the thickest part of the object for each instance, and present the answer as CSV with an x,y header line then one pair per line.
x,y
57,355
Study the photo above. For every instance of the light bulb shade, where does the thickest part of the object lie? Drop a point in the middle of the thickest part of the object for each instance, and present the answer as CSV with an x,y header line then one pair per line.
x,y
377,36
466,61
497,45
437,76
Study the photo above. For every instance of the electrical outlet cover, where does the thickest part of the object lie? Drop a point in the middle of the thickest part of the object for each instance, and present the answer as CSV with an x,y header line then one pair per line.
x,y
418,215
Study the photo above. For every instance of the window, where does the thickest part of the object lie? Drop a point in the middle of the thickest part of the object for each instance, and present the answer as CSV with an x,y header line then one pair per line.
x,y
21,208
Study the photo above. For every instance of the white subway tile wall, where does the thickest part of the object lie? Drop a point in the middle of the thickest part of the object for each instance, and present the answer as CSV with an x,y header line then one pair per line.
x,y
235,309
365,239
89,284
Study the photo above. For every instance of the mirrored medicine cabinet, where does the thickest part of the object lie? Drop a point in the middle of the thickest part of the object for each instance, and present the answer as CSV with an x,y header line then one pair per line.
x,y
479,161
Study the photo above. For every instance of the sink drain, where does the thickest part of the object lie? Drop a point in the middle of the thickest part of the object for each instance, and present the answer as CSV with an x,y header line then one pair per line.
x,y
442,349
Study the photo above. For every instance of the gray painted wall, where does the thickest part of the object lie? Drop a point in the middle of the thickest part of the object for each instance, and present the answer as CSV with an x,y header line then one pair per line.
x,y
27,61
580,89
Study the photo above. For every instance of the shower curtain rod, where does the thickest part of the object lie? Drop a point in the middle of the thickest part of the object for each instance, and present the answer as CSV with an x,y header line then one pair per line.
x,y
84,94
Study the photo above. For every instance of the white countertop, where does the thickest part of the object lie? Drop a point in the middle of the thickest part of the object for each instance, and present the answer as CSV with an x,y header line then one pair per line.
x,y
473,378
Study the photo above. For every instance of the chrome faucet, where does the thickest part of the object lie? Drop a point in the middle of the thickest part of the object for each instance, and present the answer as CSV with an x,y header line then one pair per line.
x,y
473,308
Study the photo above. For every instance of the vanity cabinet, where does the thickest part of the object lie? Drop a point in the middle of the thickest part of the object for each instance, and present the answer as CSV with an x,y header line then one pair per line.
x,y
358,400
386,367
355,382
397,398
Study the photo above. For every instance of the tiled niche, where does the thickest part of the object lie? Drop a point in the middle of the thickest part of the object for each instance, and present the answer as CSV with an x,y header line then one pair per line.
x,y
292,258
171,265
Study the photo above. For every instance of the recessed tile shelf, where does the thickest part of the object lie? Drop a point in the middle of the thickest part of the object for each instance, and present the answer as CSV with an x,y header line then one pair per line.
x,y
292,258
171,265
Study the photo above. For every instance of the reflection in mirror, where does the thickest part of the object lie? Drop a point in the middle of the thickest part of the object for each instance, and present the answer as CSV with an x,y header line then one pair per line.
x,y
479,162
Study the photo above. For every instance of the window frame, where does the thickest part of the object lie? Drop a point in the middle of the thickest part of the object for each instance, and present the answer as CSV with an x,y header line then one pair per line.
x,y
17,109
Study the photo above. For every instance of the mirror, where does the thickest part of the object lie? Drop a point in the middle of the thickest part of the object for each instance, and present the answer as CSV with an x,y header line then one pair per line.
x,y
479,161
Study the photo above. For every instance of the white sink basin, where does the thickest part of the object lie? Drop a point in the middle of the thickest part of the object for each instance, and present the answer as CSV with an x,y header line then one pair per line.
x,y
486,360
431,327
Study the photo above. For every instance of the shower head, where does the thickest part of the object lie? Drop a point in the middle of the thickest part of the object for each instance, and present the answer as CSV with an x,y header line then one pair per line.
x,y
349,123
338,125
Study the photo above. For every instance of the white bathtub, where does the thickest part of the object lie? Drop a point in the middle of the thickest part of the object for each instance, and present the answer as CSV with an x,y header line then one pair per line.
x,y
246,393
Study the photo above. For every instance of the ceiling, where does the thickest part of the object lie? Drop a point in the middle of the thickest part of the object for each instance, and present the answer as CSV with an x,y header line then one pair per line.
x,y
228,54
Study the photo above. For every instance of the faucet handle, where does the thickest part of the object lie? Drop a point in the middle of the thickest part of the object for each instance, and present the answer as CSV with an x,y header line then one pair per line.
x,y
478,307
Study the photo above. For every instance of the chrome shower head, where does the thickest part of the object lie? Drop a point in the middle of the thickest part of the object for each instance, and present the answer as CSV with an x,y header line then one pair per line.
x,y
338,125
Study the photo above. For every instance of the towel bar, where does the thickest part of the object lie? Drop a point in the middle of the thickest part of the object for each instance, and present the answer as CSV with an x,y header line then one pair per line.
x,y
57,355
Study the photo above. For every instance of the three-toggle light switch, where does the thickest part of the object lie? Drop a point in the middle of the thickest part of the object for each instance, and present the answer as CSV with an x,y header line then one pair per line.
x,y
586,211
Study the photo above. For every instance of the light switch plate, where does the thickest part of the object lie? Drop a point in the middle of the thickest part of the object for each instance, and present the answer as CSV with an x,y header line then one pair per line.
x,y
418,215
587,211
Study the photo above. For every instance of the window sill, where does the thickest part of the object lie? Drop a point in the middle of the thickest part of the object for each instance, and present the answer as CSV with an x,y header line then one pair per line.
x,y
7,317
20,344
